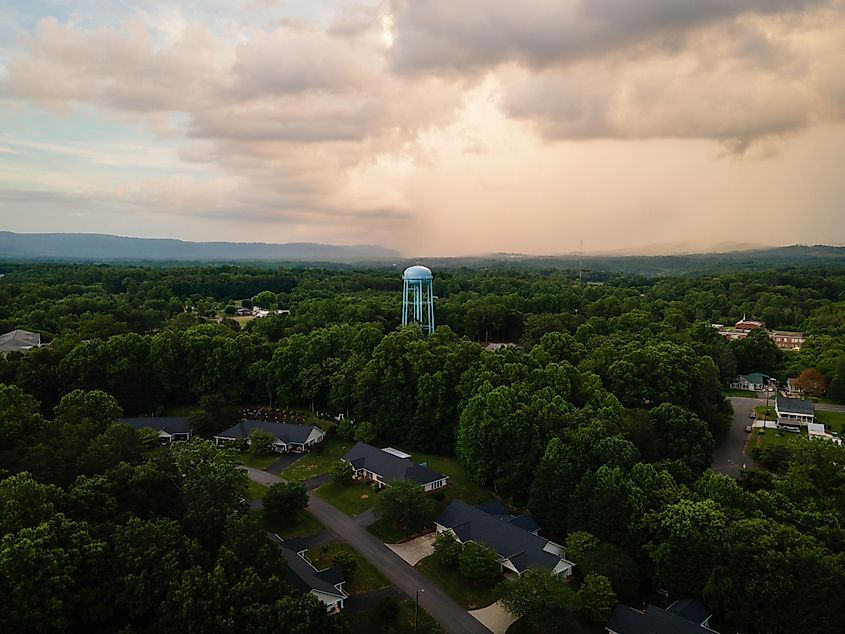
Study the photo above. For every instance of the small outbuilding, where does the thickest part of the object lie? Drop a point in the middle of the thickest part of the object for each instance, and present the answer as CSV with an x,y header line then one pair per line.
x,y
169,428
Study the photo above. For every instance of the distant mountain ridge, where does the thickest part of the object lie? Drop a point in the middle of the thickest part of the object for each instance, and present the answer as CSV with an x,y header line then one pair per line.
x,y
96,247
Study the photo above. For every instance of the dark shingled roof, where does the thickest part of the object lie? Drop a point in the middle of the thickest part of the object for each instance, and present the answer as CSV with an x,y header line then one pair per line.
x,y
522,548
286,432
625,620
302,576
499,510
168,424
690,609
794,406
391,468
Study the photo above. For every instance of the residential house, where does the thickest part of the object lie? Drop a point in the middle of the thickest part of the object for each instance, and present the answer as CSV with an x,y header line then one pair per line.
x,y
513,538
384,466
794,412
19,341
326,585
749,324
687,616
169,428
755,382
787,340
792,389
287,437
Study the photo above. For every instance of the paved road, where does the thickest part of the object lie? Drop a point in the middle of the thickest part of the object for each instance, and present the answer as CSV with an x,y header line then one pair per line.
x,y
283,462
729,455
433,600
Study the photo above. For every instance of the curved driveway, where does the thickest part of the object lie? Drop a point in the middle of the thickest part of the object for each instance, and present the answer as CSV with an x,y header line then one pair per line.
x,y
433,600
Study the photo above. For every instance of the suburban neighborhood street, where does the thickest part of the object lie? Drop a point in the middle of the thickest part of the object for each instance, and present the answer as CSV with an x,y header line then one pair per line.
x,y
728,457
439,605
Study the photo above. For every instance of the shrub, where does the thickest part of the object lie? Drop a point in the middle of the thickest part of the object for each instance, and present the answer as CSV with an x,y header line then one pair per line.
x,y
479,564
346,563
447,549
342,472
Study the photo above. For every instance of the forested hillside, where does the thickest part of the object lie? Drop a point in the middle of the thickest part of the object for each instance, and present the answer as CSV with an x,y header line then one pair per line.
x,y
602,419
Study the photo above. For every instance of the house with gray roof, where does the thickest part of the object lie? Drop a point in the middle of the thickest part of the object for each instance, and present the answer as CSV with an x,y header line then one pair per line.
x,y
169,428
287,437
383,467
519,548
19,341
326,585
687,616
794,412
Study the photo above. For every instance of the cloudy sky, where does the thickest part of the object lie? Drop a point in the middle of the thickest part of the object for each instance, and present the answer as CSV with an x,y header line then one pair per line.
x,y
437,127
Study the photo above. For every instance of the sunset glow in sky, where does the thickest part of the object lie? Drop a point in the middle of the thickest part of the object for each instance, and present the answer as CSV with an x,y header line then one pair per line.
x,y
436,127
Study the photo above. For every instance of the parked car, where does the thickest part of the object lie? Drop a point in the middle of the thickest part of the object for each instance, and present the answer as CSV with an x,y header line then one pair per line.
x,y
748,429
752,415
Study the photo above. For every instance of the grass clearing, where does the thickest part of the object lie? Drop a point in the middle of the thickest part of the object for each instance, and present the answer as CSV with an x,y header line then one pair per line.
x,y
386,533
256,462
352,499
255,491
568,622
762,412
836,420
304,525
456,585
313,463
461,485
763,438
366,577
370,620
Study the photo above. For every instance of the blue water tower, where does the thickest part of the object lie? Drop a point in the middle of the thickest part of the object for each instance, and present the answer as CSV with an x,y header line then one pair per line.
x,y
418,298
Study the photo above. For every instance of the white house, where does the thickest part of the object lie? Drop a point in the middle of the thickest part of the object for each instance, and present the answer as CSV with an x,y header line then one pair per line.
x,y
287,437
169,428
326,585
792,412
513,538
384,466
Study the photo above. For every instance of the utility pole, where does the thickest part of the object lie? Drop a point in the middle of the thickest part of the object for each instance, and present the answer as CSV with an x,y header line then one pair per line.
x,y
417,611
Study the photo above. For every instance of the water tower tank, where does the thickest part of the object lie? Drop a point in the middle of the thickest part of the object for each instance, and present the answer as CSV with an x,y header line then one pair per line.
x,y
418,297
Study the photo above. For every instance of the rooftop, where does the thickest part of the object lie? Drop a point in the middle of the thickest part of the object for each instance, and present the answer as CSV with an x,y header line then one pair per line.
x,y
19,341
502,533
794,406
286,432
625,620
305,578
389,466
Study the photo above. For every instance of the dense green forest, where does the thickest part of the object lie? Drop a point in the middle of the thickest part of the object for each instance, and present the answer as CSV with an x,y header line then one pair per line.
x,y
602,420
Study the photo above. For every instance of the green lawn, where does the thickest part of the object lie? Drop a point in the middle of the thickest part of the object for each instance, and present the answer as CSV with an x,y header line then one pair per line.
x,y
255,491
366,577
256,462
304,525
386,533
455,585
771,437
352,499
567,622
742,393
369,621
836,420
461,485
313,463
762,413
